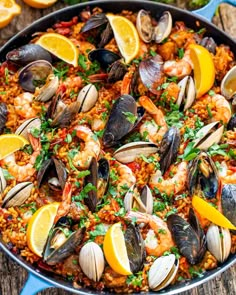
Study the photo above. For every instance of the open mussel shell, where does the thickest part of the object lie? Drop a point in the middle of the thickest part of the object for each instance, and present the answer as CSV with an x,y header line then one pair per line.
x,y
28,53
232,123
103,177
3,182
163,28
87,98
203,176
143,201
92,199
27,126
17,195
105,57
144,25
228,202
228,84
116,71
169,148
94,21
119,124
34,75
130,151
218,242
187,93
3,116
209,43
208,135
47,91
135,247
162,272
91,260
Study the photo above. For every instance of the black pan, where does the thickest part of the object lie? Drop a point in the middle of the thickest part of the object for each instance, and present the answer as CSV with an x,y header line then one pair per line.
x,y
38,278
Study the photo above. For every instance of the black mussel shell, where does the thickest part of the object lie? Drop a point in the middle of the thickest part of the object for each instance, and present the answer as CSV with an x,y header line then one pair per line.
x,y
209,43
232,123
103,177
190,243
169,148
228,202
119,123
117,71
134,84
91,200
105,57
106,36
3,116
94,21
135,248
28,53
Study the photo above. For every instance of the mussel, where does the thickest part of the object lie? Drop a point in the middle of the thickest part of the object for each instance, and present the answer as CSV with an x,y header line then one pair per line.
x,y
116,71
28,126
203,176
62,241
3,116
228,85
209,44
232,123
218,242
187,93
17,195
105,57
3,182
169,148
162,272
130,151
53,172
91,260
142,201
27,54
94,21
189,237
87,98
228,202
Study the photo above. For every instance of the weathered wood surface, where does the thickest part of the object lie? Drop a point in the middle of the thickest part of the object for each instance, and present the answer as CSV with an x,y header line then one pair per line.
x,y
12,276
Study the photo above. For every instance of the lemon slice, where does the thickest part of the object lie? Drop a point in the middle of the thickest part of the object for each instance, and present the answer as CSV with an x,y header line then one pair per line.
x,y
211,213
126,36
60,46
40,3
8,9
115,250
10,143
203,67
39,226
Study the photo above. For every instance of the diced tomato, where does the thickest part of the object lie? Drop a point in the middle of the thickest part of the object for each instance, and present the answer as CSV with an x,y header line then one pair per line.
x,y
68,24
63,31
134,166
232,168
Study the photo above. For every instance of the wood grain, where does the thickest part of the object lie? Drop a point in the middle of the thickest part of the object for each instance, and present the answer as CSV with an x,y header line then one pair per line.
x,y
12,276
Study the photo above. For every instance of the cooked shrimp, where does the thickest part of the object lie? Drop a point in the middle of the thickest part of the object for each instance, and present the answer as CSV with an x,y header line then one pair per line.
x,y
171,185
65,203
24,172
180,68
126,179
220,108
153,130
158,239
23,105
226,174
92,147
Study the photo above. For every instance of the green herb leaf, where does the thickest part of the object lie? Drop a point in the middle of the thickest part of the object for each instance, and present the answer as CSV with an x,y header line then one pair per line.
x,y
130,117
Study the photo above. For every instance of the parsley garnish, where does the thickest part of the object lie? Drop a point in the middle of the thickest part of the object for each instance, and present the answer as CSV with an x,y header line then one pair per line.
x,y
130,117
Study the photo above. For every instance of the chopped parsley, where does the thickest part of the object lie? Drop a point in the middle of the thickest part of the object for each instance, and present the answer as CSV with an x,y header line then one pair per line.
x,y
98,231
84,193
180,53
190,152
135,280
130,117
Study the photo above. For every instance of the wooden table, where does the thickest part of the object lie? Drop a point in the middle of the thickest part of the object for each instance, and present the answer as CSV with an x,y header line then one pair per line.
x,y
12,276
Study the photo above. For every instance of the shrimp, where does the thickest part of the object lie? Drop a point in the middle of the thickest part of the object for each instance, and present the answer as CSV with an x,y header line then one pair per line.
x,y
24,172
172,185
23,105
65,204
126,179
92,147
153,130
226,174
158,239
220,108
180,68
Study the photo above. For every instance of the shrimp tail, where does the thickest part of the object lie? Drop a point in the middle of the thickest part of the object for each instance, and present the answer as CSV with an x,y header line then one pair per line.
x,y
149,106
35,142
64,206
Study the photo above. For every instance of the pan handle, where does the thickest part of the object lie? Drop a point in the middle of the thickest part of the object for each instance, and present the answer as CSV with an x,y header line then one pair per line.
x,y
208,10
34,284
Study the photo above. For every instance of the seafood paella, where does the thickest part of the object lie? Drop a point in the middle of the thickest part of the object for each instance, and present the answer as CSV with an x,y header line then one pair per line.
x,y
117,151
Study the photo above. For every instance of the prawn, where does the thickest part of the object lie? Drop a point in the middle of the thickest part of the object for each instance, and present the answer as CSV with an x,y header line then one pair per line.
x,y
23,105
172,185
65,203
226,174
180,68
158,239
24,172
92,147
220,108
153,130
126,179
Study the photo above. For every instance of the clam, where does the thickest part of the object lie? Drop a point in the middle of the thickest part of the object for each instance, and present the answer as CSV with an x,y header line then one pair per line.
x,y
162,272
130,151
144,25
27,54
53,172
27,126
105,57
187,93
218,242
189,237
169,148
50,87
34,75
209,44
3,116
228,202
151,72
143,201
91,260
3,182
61,241
228,84
17,195
203,176
208,135
163,28
232,123
87,98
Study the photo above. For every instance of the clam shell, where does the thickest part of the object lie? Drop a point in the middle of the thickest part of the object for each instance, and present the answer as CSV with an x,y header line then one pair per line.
x,y
228,84
162,272
27,125
218,242
130,151
187,92
144,25
87,98
49,89
3,182
164,27
91,260
17,195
